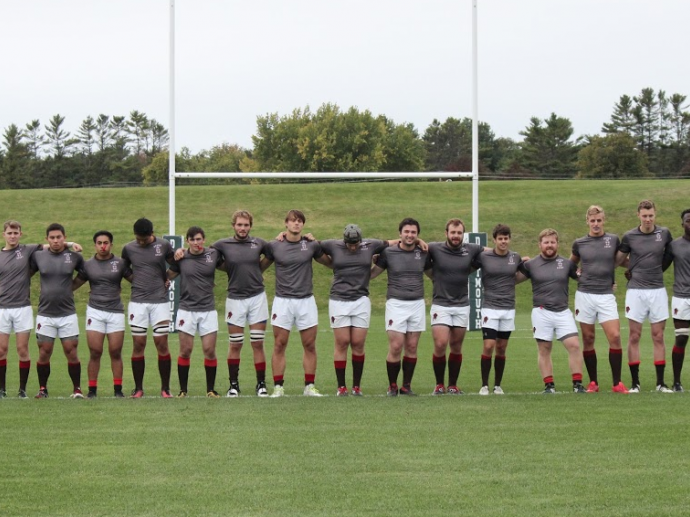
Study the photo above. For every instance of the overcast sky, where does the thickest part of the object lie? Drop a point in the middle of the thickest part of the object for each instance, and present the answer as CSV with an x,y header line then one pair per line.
x,y
408,59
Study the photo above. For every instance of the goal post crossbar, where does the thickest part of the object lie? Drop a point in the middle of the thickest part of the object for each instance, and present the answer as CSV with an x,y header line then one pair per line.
x,y
323,175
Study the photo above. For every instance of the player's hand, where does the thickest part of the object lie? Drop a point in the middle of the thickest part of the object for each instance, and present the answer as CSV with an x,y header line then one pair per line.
x,y
628,274
167,284
77,247
579,272
179,254
525,258
614,287
309,237
280,237
423,245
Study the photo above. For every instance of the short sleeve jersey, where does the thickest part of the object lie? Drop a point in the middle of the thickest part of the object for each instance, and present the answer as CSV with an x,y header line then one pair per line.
x,y
405,272
148,264
293,263
550,279
56,271
452,268
351,269
242,263
105,279
498,278
680,250
198,275
647,253
15,276
597,262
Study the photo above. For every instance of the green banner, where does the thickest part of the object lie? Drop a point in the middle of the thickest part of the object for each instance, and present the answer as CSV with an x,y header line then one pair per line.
x,y
475,285
174,289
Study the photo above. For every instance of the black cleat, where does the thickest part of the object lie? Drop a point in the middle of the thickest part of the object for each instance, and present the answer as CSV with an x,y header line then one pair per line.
x,y
406,390
392,390
22,394
579,388
678,387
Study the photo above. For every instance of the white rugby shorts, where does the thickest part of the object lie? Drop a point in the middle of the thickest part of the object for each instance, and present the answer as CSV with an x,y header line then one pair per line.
x,y
246,311
196,322
501,320
355,313
62,327
680,308
299,312
641,304
405,315
19,319
450,316
103,321
546,323
590,308
147,315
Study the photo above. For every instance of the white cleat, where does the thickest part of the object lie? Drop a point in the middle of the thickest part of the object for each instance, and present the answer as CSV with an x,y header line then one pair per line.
x,y
662,388
311,391
635,389
484,390
498,390
278,391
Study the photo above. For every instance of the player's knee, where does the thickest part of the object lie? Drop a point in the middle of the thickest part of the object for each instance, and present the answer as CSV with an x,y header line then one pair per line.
x,y
138,331
682,337
257,336
161,330
236,340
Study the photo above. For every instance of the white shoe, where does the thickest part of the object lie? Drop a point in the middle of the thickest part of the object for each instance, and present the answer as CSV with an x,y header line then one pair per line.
x,y
634,389
278,391
484,390
662,388
232,393
498,390
311,391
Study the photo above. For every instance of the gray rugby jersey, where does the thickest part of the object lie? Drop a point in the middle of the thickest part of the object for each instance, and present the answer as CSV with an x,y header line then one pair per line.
x,y
15,276
647,253
680,250
198,274
405,272
56,270
452,267
148,264
549,281
597,262
242,259
498,278
351,270
293,266
105,278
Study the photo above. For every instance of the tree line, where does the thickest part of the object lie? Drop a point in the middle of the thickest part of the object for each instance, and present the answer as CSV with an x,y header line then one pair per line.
x,y
648,135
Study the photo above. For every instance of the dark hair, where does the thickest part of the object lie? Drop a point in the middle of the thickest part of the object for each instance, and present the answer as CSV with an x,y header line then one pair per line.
x,y
408,221
296,215
193,230
103,232
646,204
501,229
143,227
682,214
55,227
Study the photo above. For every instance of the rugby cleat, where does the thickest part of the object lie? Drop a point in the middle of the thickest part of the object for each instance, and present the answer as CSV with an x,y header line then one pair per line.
x,y
662,388
454,390
356,392
77,394
137,394
311,391
182,395
278,391
3,394
42,393
166,394
118,394
407,391
678,387
634,389
592,387
22,394
91,395
342,392
392,390
619,388
261,390
440,389
234,390
549,389
579,388
213,394
498,390
484,390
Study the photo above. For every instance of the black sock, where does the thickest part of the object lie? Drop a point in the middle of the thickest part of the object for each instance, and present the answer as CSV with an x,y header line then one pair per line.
x,y
590,359
616,362
74,370
677,358
183,375
660,367
357,369
138,368
43,371
454,365
164,368
499,367
340,372
439,364
393,369
635,373
210,377
486,369
408,366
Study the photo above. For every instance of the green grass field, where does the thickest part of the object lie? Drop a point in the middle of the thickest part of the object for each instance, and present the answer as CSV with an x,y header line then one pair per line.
x,y
521,454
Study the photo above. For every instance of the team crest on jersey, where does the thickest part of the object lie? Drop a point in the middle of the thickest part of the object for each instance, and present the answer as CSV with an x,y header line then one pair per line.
x,y
253,245
18,254
559,264
511,259
157,250
208,257
364,245
417,255
68,258
658,236
113,266
304,246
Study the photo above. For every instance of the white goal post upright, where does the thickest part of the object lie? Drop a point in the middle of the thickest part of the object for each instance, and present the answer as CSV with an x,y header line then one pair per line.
x,y
320,175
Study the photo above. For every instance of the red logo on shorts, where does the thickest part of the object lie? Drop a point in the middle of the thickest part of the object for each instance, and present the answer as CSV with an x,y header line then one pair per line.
x,y
131,317
534,329
435,315
486,318
229,315
88,322
332,319
274,317
390,323
627,309
38,327
675,311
